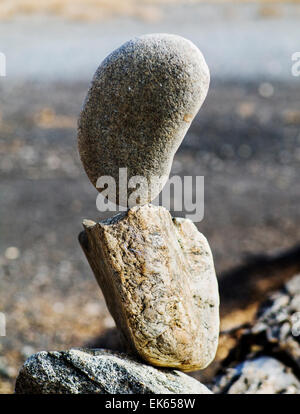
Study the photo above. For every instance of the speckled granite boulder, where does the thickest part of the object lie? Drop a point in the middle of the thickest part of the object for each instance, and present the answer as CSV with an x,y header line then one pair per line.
x,y
158,278
262,375
139,107
86,371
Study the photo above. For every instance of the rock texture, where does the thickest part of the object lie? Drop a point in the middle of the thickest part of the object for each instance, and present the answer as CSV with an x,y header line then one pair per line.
x,y
278,322
263,375
159,282
275,330
267,355
140,105
86,371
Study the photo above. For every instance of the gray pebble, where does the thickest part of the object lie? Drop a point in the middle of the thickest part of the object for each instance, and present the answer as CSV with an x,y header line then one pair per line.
x,y
140,104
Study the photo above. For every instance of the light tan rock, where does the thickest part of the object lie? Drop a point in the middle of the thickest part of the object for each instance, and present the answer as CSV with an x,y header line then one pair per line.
x,y
98,371
158,279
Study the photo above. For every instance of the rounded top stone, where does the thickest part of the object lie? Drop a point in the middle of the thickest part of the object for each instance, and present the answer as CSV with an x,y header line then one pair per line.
x,y
164,51
140,104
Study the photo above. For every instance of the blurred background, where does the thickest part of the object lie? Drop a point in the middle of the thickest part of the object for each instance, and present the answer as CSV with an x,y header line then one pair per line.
x,y
245,141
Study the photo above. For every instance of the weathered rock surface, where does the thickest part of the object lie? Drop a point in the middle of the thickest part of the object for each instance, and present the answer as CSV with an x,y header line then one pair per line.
x,y
278,322
86,371
159,282
266,358
263,375
275,330
140,105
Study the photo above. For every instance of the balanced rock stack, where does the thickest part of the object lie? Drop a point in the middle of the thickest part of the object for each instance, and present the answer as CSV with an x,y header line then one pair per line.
x,y
156,272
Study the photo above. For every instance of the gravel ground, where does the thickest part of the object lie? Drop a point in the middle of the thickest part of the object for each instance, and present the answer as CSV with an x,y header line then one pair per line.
x,y
245,144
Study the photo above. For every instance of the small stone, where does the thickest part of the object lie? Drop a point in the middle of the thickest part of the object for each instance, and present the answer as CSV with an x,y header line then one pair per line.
x,y
4,368
279,319
97,371
159,282
293,286
275,331
26,351
263,375
12,253
141,102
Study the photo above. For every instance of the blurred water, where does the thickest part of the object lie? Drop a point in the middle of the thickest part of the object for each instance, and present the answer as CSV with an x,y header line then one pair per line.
x,y
238,42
